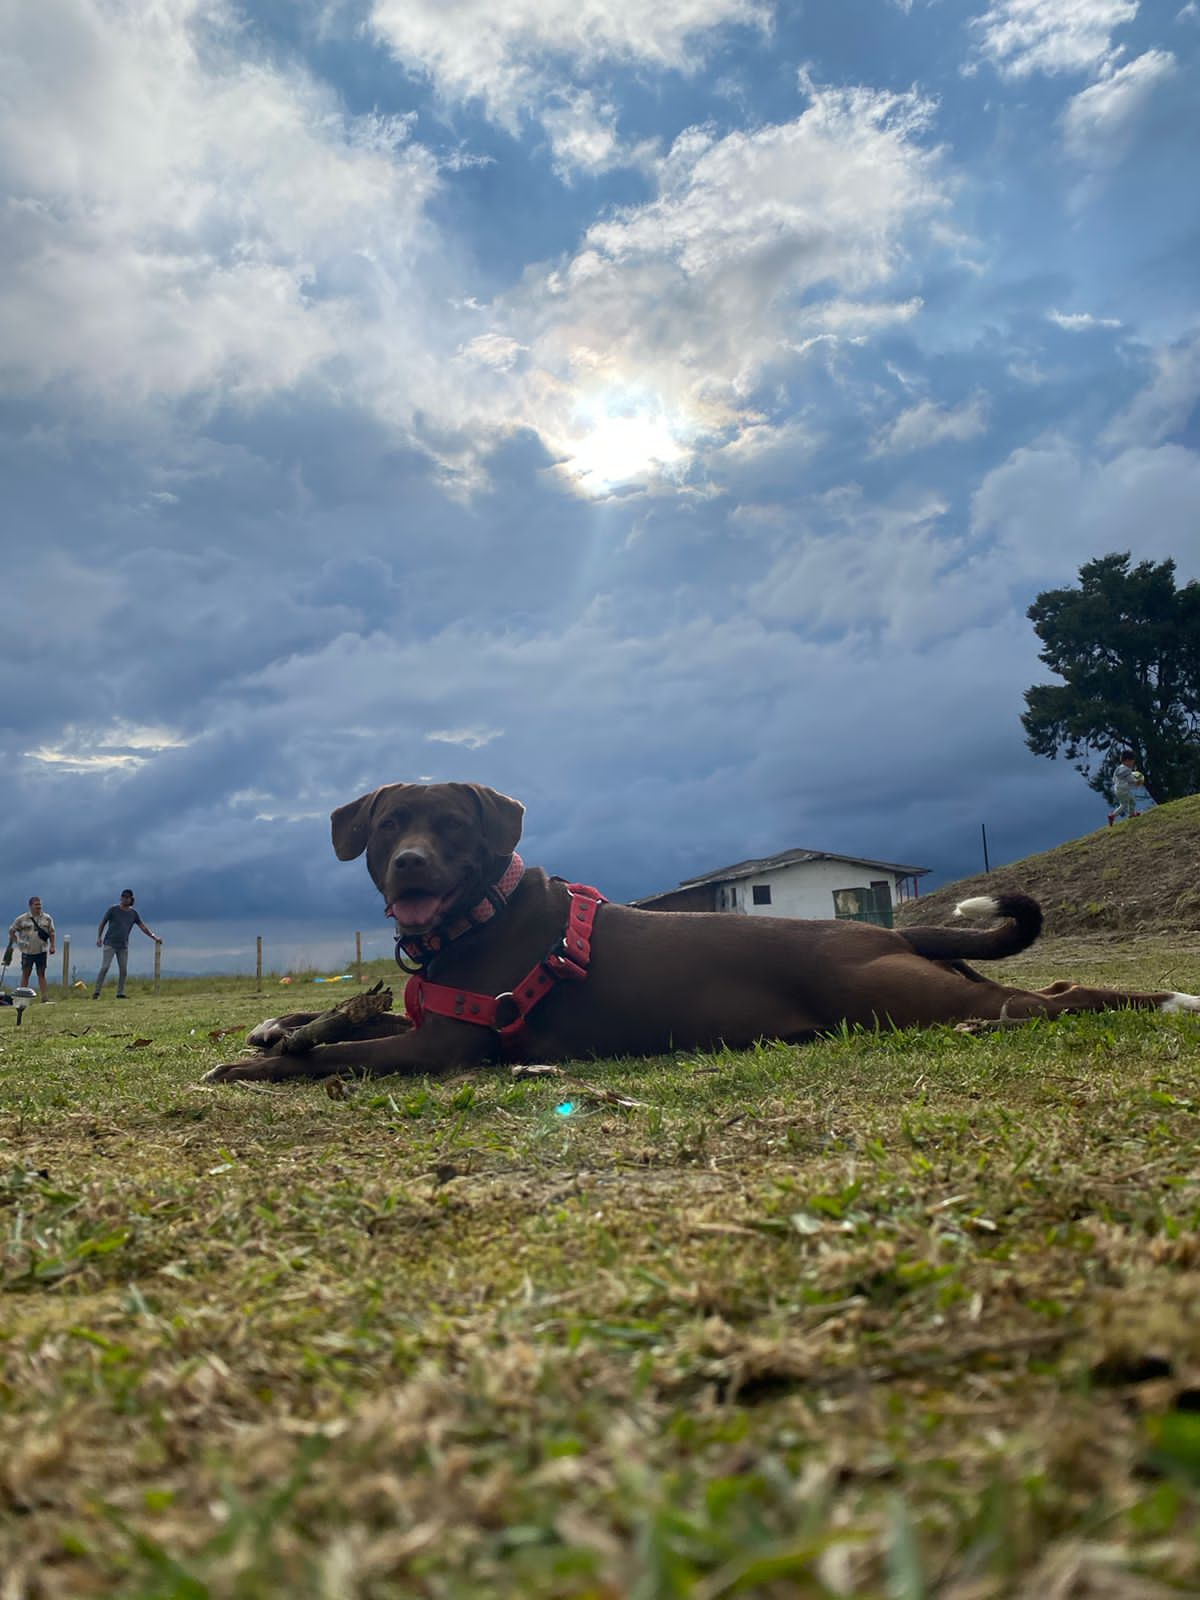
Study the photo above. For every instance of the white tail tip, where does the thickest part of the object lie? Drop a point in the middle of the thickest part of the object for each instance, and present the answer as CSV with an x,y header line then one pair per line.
x,y
979,905
1180,1002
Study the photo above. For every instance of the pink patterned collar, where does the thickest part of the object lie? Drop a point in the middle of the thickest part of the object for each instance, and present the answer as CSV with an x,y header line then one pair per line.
x,y
414,951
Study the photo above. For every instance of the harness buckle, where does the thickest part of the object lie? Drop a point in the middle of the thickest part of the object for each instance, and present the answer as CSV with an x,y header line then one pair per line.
x,y
508,1016
408,963
560,965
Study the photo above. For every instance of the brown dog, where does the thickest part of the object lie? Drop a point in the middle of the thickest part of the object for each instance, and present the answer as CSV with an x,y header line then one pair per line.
x,y
512,967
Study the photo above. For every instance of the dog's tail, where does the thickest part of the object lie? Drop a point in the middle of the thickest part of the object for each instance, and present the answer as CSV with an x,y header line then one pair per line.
x,y
958,944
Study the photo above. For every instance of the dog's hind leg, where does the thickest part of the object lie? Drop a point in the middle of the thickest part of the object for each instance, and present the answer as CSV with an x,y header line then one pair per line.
x,y
1063,999
1079,997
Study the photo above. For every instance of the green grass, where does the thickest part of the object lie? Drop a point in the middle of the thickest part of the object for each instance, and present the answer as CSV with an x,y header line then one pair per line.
x,y
896,1315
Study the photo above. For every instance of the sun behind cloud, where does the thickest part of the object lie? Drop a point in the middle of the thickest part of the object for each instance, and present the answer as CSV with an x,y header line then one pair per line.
x,y
619,436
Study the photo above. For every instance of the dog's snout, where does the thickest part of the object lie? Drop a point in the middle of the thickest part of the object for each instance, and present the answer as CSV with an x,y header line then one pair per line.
x,y
409,861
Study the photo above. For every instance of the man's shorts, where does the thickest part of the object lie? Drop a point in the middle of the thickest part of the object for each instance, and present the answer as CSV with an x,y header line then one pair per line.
x,y
36,963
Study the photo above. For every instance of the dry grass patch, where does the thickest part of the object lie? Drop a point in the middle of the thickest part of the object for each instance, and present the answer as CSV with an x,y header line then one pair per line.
x,y
1138,877
900,1315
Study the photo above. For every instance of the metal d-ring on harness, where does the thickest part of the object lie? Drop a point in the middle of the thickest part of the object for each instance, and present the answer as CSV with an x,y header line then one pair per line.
x,y
505,1013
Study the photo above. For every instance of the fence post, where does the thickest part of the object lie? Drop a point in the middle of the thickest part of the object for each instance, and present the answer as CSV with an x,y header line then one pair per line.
x,y
258,967
358,957
157,963
66,962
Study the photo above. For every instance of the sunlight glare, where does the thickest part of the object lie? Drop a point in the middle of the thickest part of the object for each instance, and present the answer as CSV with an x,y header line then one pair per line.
x,y
619,438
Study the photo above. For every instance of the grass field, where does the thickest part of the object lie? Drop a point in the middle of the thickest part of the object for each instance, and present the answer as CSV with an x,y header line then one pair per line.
x,y
889,1316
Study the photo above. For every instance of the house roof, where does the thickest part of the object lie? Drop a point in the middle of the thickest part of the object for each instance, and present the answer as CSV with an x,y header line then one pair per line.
x,y
786,858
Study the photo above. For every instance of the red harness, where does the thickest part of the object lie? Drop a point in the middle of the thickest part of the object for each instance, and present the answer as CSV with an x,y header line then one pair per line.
x,y
505,1013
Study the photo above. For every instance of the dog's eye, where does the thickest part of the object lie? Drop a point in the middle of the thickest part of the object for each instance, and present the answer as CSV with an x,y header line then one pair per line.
x,y
389,824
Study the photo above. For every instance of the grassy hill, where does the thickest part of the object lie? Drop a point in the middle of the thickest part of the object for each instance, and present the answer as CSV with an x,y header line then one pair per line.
x,y
1142,875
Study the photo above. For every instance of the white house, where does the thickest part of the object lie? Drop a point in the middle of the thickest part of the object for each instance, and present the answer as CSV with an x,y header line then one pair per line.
x,y
797,883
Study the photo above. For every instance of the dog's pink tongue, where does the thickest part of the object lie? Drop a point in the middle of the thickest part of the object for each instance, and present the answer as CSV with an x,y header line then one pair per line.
x,y
415,910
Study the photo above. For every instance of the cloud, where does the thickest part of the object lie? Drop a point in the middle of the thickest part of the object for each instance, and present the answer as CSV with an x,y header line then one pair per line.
x,y
293,400
535,57
115,748
1021,37
668,318
185,218
869,570
1080,321
495,350
1049,508
1098,123
1164,406
192,220
469,738
582,130
927,424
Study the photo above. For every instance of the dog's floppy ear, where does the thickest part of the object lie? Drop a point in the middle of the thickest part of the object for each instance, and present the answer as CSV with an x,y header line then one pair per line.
x,y
349,826
500,818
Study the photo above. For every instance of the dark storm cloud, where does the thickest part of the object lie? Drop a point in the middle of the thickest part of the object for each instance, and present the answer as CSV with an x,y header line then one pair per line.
x,y
680,458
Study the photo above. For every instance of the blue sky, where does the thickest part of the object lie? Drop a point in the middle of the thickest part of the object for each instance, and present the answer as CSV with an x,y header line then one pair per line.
x,y
663,413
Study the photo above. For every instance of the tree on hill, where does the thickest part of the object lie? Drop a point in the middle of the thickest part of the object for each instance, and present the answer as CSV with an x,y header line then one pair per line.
x,y
1126,644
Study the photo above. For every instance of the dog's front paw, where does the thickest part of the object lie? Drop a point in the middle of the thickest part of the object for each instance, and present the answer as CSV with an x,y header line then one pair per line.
x,y
271,1030
247,1069
265,1033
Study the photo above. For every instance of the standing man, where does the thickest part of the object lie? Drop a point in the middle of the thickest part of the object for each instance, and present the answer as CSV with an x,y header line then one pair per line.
x,y
33,935
118,919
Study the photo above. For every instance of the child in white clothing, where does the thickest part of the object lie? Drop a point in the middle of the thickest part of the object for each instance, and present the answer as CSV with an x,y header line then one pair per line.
x,y
1126,779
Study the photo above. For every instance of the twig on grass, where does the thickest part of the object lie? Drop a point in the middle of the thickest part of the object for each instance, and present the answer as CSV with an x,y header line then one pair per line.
x,y
342,1022
598,1091
993,1024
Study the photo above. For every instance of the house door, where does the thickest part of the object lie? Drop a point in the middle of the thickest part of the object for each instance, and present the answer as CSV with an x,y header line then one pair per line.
x,y
865,903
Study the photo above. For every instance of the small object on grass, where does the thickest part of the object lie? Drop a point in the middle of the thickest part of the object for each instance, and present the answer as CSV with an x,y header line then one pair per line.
x,y
139,1044
224,1033
994,1024
21,998
597,1091
564,1108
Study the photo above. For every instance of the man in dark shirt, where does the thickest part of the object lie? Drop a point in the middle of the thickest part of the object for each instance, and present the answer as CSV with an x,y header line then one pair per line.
x,y
119,920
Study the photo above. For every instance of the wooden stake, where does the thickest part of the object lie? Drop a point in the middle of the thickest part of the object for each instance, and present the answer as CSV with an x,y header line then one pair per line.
x,y
157,963
258,967
66,963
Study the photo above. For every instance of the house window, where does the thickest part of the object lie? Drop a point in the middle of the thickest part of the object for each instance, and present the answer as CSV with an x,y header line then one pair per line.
x,y
762,894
